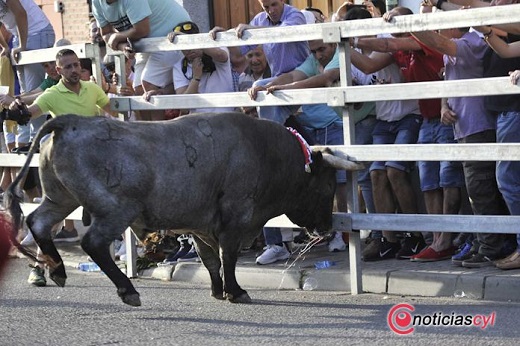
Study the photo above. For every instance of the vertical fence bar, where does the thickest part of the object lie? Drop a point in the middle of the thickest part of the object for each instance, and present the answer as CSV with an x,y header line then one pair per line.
x,y
354,241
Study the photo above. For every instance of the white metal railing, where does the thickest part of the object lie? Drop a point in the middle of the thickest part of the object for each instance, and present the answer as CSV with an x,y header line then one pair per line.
x,y
340,32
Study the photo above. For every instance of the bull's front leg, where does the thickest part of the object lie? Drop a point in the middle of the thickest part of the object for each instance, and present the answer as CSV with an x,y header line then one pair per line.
x,y
211,260
96,245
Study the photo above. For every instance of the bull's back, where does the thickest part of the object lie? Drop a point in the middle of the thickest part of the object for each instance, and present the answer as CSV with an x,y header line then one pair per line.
x,y
182,171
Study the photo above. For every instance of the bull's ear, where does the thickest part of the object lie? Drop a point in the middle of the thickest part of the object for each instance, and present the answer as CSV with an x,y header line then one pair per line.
x,y
336,159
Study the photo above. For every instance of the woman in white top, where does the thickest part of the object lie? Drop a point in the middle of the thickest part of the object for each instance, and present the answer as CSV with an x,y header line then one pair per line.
x,y
201,71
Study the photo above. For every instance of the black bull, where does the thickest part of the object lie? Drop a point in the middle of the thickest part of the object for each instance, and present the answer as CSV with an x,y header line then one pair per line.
x,y
220,177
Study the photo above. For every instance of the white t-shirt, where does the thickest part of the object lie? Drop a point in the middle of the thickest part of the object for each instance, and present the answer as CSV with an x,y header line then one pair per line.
x,y
36,19
219,81
393,110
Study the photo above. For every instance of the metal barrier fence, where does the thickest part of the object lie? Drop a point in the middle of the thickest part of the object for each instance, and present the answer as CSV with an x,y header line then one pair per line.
x,y
339,96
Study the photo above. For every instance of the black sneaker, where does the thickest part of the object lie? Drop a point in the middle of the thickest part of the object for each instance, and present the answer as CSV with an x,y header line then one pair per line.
x,y
379,249
412,245
65,236
302,238
479,261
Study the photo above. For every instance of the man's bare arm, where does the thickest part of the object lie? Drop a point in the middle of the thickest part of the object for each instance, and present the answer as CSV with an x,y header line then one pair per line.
x,y
301,81
436,41
388,44
371,63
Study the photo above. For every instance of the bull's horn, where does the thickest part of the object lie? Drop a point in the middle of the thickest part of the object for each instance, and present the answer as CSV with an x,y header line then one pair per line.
x,y
339,160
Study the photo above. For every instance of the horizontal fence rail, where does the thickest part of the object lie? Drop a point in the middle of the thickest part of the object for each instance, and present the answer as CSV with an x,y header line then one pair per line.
x,y
392,152
334,32
335,96
414,222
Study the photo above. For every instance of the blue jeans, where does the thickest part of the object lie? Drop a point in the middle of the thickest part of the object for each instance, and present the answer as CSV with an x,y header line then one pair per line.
x,y
434,174
508,172
277,114
31,76
363,130
330,135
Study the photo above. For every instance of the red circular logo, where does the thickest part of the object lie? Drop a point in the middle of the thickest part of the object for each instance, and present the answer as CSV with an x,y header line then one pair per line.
x,y
399,319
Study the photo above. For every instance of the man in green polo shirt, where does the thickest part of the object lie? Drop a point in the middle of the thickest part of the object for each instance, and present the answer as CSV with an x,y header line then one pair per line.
x,y
71,94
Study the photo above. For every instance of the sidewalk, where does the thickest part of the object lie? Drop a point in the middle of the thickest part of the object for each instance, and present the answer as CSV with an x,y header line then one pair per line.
x,y
399,277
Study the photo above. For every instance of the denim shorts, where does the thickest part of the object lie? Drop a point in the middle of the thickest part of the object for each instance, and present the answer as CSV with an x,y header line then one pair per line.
x,y
404,131
434,174
330,135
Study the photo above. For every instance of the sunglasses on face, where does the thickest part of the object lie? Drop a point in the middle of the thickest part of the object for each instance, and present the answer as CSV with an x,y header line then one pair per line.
x,y
183,27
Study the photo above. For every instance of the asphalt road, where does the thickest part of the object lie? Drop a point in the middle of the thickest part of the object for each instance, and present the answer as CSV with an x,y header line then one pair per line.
x,y
88,312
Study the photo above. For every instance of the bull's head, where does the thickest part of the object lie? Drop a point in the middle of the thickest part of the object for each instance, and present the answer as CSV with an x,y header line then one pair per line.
x,y
314,210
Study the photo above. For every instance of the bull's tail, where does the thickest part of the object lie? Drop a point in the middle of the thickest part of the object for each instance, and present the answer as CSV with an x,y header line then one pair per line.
x,y
13,196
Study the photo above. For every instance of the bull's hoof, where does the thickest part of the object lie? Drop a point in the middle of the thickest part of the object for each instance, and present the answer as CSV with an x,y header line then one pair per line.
x,y
129,296
58,280
131,299
241,299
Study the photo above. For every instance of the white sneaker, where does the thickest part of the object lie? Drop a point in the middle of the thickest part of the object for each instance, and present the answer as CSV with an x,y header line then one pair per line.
x,y
28,240
272,254
337,244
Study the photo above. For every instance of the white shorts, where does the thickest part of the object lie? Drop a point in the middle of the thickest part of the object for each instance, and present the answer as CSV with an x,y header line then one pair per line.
x,y
159,68
140,62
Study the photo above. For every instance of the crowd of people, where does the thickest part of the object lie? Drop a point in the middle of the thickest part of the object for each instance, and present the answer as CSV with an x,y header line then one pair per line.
x,y
384,187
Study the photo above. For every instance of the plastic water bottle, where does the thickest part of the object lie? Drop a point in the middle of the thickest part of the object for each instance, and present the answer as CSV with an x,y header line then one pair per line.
x,y
89,267
310,284
459,294
324,264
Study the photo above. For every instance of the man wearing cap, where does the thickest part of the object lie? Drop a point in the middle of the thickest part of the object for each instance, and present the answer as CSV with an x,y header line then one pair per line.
x,y
206,70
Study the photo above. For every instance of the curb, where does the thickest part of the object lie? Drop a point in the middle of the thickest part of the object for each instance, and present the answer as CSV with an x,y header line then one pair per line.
x,y
481,285
386,277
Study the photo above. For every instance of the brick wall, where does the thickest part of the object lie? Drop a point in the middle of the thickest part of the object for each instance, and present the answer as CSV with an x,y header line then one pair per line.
x,y
75,18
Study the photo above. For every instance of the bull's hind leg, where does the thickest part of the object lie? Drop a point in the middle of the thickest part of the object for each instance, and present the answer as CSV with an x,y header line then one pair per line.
x,y
230,243
40,223
211,260
96,243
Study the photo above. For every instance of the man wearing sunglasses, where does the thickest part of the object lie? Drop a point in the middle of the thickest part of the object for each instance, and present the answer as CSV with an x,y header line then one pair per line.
x,y
206,70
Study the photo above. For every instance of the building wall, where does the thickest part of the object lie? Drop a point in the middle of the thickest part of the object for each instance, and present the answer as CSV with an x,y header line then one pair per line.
x,y
75,20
